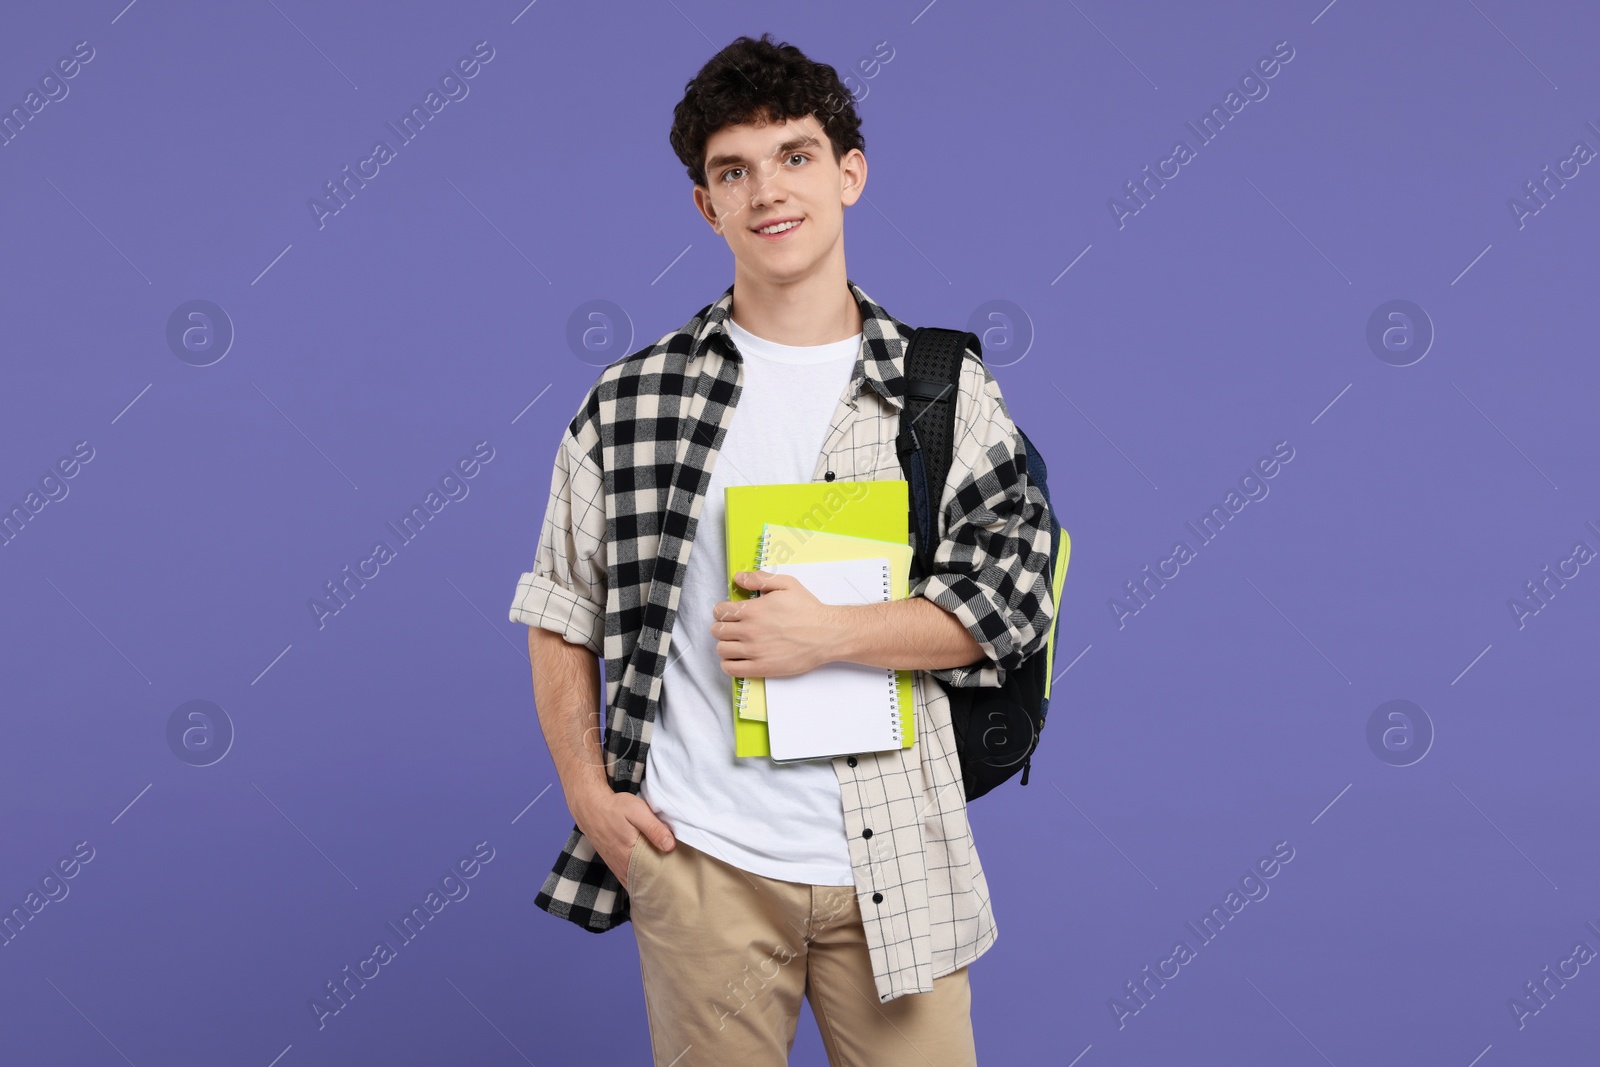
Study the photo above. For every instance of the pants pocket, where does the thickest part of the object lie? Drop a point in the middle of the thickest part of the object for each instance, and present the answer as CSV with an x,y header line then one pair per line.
x,y
633,858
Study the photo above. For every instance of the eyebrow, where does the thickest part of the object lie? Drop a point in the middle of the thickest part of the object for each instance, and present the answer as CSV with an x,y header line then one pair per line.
x,y
785,148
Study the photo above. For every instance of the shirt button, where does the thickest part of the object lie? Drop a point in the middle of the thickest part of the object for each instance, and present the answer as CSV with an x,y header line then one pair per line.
x,y
851,761
877,898
867,832
828,476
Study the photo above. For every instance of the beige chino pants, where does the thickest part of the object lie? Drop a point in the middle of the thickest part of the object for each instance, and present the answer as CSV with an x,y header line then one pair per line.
x,y
726,955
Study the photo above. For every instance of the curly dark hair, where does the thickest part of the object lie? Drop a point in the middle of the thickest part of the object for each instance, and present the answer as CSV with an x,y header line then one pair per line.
x,y
756,81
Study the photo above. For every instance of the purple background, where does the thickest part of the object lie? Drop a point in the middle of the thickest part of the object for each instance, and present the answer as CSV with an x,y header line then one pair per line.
x,y
1230,313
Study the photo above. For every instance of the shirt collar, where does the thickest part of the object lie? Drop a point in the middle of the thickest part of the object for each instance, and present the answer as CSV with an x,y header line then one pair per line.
x,y
879,366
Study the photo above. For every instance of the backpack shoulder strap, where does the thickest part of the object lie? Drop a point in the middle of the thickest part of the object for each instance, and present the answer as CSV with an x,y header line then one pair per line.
x,y
933,375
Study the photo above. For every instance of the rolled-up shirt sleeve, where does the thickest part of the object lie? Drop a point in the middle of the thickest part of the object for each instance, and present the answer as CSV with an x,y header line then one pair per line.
x,y
566,590
991,566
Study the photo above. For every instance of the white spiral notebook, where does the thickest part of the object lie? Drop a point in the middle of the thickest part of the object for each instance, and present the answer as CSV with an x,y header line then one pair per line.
x,y
838,708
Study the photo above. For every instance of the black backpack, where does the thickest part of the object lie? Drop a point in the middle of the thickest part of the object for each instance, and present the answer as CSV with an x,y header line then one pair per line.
x,y
997,729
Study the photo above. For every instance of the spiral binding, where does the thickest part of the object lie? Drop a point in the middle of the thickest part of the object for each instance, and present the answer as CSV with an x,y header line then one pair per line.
x,y
743,684
893,676
763,546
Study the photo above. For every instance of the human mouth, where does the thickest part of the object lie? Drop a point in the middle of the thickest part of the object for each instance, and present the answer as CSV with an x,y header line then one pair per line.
x,y
778,230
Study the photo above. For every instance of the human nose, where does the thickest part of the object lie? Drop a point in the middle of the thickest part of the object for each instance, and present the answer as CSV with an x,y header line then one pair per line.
x,y
766,185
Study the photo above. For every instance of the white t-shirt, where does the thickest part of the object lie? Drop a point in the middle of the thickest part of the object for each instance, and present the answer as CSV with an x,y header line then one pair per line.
x,y
783,821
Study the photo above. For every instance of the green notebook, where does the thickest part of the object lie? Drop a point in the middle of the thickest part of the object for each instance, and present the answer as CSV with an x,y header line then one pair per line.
x,y
875,509
1063,553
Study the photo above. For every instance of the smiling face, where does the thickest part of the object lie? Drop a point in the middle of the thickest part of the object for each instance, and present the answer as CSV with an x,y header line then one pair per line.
x,y
764,175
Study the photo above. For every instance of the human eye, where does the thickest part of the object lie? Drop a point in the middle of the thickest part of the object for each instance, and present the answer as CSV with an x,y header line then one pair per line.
x,y
802,155
730,170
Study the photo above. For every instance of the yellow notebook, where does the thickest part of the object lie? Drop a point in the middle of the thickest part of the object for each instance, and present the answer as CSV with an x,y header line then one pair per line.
x,y
791,544
1063,551
794,544
878,510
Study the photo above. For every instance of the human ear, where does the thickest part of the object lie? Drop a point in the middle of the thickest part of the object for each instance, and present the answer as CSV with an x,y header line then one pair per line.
x,y
854,169
704,205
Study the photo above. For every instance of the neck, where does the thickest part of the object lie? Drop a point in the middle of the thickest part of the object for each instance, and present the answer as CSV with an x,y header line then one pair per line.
x,y
817,310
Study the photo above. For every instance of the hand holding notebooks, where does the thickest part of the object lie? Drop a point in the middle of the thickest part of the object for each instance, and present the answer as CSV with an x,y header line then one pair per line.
x,y
838,708
867,509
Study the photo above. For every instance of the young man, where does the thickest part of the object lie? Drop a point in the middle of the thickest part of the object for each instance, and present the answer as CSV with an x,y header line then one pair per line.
x,y
854,881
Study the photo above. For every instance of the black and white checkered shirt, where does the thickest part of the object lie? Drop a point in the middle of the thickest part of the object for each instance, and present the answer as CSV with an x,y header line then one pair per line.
x,y
625,497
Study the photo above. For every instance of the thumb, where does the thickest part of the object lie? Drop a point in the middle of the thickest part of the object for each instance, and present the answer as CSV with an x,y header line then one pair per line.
x,y
761,581
646,822
658,833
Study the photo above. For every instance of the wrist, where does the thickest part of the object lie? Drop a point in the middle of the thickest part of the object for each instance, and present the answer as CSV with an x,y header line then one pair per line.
x,y
583,798
843,627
